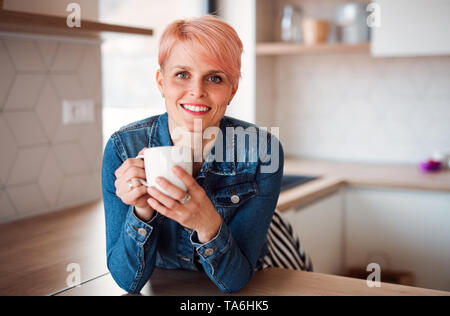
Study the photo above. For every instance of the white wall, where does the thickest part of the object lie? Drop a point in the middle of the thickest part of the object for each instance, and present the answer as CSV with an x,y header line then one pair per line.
x,y
357,108
241,15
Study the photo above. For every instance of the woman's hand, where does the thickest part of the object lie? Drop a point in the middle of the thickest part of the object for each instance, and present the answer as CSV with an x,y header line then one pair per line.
x,y
130,172
198,213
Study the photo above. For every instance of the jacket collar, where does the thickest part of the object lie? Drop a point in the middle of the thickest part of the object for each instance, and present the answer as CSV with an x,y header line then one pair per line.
x,y
160,135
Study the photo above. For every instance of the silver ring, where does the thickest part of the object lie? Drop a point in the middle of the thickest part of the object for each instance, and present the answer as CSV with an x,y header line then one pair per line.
x,y
130,185
186,199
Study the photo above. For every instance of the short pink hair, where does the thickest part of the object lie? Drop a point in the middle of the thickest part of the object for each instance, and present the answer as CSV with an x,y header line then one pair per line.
x,y
221,46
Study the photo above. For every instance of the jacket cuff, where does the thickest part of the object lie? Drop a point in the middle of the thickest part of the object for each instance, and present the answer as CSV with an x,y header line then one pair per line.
x,y
138,229
216,246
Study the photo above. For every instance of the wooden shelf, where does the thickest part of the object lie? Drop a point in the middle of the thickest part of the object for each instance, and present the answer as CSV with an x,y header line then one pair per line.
x,y
15,21
280,48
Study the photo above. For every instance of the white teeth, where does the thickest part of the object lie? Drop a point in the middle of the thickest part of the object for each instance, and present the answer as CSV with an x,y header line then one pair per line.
x,y
195,108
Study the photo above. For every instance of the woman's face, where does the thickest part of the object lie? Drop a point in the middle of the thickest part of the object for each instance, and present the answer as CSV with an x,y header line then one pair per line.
x,y
193,89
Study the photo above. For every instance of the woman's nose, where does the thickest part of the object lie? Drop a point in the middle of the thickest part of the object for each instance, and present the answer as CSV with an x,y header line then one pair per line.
x,y
197,89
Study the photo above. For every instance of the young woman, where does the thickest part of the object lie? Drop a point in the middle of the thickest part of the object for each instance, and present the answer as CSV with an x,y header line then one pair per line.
x,y
221,224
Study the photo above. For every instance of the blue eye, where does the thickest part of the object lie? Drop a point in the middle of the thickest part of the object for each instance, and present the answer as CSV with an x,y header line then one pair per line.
x,y
215,79
181,75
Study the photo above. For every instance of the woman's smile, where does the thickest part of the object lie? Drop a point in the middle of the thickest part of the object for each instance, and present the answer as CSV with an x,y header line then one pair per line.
x,y
195,108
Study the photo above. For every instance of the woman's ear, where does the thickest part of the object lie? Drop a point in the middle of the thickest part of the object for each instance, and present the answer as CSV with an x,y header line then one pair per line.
x,y
160,81
233,92
235,88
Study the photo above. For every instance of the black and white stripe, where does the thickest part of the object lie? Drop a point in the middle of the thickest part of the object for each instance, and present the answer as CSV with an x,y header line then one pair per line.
x,y
285,250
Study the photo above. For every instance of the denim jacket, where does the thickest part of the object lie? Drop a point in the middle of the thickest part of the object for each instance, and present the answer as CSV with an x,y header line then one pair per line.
x,y
241,190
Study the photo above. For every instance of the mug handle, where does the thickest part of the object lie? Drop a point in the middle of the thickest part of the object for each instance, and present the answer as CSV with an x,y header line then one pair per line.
x,y
143,182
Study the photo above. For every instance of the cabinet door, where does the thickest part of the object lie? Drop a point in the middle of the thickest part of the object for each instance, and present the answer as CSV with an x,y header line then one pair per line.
x,y
412,28
320,228
405,230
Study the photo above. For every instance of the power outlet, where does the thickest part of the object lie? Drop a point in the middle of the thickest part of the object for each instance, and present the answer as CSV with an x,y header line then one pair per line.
x,y
78,111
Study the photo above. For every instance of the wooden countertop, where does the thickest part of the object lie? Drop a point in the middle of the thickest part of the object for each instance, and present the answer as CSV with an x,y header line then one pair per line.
x,y
334,175
269,282
36,252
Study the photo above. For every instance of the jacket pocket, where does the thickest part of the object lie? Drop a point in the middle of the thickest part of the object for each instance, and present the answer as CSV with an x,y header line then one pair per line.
x,y
228,199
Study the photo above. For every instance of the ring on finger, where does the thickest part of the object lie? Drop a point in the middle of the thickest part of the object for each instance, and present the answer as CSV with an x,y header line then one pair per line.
x,y
131,186
185,199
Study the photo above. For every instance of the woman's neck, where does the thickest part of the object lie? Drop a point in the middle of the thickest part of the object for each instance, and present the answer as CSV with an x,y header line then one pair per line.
x,y
200,146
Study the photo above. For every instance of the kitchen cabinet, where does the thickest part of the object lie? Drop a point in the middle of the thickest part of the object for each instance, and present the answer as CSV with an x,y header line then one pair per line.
x,y
320,226
401,230
404,230
412,28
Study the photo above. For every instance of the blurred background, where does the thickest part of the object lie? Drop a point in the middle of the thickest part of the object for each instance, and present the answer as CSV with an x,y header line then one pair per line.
x,y
352,85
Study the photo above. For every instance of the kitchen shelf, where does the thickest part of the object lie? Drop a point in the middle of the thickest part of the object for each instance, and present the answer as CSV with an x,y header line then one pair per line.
x,y
280,48
15,21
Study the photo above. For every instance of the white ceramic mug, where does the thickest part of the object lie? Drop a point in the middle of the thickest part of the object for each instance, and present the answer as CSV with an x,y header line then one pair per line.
x,y
159,161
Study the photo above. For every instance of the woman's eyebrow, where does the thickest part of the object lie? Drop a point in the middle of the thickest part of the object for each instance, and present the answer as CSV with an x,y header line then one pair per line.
x,y
215,72
212,71
182,67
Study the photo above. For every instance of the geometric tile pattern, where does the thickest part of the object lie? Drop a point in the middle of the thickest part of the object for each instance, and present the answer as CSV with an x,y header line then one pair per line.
x,y
45,165
8,152
8,211
26,128
27,199
27,165
51,178
18,100
357,108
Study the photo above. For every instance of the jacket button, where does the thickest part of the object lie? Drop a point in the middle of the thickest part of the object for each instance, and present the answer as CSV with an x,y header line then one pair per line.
x,y
235,199
142,232
209,251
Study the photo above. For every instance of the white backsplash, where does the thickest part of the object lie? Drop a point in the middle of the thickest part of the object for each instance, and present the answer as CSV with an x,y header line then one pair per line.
x,y
354,107
45,165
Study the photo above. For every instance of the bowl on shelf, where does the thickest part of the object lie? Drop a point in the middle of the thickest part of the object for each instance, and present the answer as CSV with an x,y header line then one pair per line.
x,y
315,31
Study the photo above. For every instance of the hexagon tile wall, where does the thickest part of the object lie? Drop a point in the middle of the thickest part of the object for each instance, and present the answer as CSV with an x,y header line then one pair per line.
x,y
45,165
353,107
